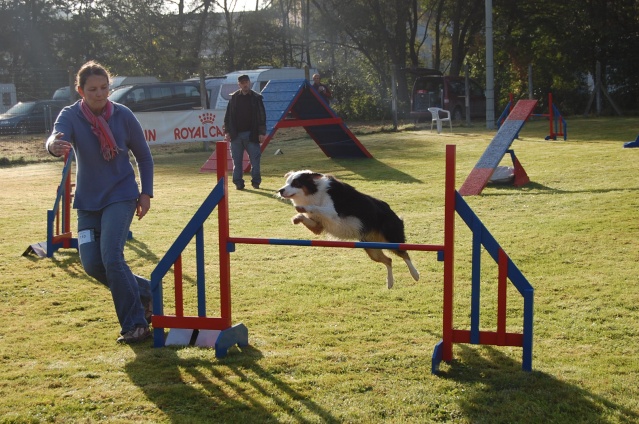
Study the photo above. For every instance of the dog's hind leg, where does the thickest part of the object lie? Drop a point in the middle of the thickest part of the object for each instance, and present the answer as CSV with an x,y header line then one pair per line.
x,y
378,256
404,255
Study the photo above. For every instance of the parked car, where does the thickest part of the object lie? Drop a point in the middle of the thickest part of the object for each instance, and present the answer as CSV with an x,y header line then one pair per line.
x,y
70,96
159,97
30,117
63,94
212,84
432,89
120,81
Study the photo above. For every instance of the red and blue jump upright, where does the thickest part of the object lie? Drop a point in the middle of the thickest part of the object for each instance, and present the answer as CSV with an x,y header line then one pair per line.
x,y
219,331
59,233
509,130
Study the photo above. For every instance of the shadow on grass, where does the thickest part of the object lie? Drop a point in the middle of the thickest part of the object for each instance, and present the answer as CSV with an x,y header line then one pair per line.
x,y
495,386
268,192
68,260
374,170
230,390
535,188
142,250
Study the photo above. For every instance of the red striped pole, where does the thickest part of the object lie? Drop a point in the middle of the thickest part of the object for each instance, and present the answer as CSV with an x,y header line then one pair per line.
x,y
449,254
342,244
223,234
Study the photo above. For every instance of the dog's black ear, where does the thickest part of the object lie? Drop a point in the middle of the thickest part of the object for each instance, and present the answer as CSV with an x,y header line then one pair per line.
x,y
316,175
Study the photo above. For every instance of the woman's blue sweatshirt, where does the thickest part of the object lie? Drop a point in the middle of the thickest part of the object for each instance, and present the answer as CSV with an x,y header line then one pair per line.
x,y
100,182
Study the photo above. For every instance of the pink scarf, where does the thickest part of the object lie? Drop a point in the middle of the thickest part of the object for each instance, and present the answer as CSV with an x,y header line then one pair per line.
x,y
100,127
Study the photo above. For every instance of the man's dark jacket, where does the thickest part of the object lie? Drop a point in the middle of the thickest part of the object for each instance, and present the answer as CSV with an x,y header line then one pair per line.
x,y
258,120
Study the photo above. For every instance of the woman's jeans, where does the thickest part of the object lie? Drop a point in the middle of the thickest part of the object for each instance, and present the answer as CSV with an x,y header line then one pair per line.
x,y
238,145
101,238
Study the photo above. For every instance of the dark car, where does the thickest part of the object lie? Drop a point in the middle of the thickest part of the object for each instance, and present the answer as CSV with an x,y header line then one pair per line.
x,y
30,117
159,97
432,89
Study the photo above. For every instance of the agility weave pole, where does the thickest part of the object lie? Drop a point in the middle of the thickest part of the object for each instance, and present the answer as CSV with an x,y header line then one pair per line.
x,y
220,332
59,234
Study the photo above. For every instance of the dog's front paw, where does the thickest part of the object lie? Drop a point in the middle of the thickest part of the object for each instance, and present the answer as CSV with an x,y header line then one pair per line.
x,y
297,219
300,209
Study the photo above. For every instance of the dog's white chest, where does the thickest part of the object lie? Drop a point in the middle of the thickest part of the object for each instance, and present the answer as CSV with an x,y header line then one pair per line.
x,y
348,228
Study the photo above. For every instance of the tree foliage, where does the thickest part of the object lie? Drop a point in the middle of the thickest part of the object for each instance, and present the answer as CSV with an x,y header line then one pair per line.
x,y
360,46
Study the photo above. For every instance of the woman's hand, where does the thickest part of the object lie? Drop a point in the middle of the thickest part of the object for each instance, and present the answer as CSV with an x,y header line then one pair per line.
x,y
59,147
144,204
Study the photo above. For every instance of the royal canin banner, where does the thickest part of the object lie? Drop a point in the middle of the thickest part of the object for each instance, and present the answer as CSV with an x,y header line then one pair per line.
x,y
182,126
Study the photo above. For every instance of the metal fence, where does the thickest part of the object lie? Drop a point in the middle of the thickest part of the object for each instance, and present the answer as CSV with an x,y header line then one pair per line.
x,y
40,83
30,93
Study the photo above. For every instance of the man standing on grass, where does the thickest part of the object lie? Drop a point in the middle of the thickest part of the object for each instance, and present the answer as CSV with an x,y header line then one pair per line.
x,y
245,128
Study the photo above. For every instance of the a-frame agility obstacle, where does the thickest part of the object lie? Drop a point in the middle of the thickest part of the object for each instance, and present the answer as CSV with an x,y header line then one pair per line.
x,y
508,131
295,103
219,332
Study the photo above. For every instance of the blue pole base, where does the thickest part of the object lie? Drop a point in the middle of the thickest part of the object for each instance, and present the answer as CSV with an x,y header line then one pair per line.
x,y
238,334
437,357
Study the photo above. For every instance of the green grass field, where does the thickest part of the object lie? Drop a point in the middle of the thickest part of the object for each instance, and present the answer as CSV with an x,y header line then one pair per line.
x,y
328,342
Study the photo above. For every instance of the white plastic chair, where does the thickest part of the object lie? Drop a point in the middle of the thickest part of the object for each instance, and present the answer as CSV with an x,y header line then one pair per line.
x,y
436,117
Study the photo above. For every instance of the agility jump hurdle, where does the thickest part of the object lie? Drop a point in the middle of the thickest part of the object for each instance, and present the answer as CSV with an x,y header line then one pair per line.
x,y
219,332
59,234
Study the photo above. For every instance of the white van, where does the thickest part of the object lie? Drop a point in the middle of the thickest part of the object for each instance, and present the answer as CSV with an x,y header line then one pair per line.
x,y
220,88
8,97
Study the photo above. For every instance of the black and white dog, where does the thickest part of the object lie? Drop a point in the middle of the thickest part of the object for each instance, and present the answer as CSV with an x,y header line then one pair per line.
x,y
326,204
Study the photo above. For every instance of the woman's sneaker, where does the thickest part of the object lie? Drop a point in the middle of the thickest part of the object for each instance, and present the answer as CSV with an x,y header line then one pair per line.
x,y
138,334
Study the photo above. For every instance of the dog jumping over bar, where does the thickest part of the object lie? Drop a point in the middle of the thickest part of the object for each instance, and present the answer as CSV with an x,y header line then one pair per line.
x,y
326,204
